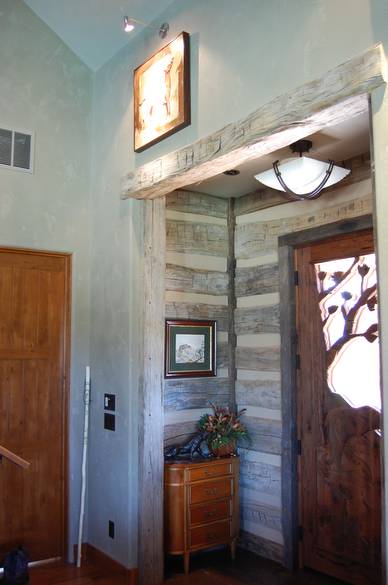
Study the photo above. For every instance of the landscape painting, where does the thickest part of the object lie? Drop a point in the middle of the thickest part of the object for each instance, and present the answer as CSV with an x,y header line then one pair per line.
x,y
190,348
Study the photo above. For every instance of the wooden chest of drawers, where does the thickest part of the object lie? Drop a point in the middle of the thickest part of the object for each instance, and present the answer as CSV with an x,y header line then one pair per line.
x,y
201,506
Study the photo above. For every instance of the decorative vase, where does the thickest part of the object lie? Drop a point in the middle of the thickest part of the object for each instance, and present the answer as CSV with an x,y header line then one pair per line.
x,y
224,451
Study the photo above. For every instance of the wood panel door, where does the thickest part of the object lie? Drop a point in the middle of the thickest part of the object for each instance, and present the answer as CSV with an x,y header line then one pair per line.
x,y
34,334
339,407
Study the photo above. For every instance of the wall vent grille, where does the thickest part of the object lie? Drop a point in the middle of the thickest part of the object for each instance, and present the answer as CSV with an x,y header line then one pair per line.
x,y
16,148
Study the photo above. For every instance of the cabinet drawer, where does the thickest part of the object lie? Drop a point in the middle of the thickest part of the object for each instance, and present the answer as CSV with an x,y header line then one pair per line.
x,y
211,534
210,471
210,512
210,490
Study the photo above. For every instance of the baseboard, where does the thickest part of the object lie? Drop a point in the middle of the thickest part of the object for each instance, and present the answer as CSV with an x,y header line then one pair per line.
x,y
100,559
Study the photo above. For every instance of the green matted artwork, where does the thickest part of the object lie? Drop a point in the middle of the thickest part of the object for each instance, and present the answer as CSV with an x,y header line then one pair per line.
x,y
190,348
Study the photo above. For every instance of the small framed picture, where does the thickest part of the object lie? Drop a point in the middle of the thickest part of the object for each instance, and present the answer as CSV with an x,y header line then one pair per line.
x,y
190,348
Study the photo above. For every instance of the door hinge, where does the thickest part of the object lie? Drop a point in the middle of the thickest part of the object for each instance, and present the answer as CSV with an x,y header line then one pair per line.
x,y
300,533
296,277
297,361
299,446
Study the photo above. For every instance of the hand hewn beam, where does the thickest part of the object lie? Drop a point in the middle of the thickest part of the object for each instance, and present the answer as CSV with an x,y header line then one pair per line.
x,y
339,95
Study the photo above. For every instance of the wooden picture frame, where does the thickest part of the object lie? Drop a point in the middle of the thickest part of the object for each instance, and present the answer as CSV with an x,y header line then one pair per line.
x,y
190,348
162,94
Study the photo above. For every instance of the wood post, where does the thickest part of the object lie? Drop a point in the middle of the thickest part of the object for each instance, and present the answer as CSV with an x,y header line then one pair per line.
x,y
151,399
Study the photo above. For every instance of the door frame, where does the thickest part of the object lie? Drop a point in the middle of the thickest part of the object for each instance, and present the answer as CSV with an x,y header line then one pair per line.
x,y
288,359
67,257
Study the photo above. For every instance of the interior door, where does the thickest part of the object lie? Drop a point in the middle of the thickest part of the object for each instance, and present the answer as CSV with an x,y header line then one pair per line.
x,y
34,309
339,405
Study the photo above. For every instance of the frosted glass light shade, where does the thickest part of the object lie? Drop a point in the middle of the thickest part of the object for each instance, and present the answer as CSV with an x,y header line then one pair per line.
x,y
302,175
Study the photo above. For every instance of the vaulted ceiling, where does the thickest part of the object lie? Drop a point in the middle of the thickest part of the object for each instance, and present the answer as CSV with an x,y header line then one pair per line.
x,y
93,28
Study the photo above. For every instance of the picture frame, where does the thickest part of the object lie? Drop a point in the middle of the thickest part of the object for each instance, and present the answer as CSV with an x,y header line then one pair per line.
x,y
190,348
162,104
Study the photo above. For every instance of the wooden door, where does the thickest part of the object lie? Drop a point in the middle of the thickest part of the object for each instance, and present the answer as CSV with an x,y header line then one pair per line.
x,y
34,333
339,407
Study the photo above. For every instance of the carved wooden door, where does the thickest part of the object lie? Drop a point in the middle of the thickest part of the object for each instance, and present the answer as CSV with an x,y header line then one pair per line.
x,y
339,409
34,297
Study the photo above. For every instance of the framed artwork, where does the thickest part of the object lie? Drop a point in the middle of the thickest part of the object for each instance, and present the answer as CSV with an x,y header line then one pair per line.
x,y
162,93
190,348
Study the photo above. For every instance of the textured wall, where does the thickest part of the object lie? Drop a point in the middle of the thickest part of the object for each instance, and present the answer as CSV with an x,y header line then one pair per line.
x,y
46,89
197,286
258,349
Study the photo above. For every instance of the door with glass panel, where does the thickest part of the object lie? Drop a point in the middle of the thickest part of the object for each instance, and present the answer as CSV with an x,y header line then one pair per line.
x,y
339,406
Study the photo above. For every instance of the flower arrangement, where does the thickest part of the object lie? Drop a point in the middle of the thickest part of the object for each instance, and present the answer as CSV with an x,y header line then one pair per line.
x,y
223,429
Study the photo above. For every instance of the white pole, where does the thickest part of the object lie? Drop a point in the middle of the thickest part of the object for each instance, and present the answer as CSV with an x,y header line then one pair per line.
x,y
84,463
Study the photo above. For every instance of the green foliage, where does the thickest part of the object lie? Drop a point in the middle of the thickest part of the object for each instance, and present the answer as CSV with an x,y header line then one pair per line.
x,y
223,427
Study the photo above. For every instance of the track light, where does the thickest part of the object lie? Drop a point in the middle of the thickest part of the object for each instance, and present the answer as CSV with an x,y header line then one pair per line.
x,y
130,23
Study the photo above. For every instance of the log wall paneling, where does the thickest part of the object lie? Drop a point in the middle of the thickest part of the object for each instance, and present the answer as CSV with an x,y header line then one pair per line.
x,y
194,393
257,320
196,230
180,278
263,393
197,238
198,203
179,310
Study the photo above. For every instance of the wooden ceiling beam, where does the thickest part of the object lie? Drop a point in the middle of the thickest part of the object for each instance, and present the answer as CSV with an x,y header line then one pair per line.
x,y
339,95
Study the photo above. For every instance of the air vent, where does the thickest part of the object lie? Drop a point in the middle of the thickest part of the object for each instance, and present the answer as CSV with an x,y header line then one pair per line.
x,y
16,147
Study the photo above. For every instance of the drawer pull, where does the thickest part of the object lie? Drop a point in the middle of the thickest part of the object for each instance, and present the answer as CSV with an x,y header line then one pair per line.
x,y
210,513
211,536
211,491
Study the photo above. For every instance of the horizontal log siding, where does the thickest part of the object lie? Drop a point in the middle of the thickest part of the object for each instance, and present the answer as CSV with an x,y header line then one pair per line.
x,y
197,233
261,219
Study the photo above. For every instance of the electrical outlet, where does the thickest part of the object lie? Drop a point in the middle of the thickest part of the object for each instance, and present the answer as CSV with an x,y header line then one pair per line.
x,y
111,529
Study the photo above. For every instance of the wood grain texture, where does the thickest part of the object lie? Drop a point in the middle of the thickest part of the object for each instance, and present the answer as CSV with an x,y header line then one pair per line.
x,y
34,341
184,394
197,238
199,203
256,280
257,320
151,399
265,434
265,359
178,433
182,279
288,377
258,238
232,303
260,477
264,198
222,355
263,393
338,95
177,310
259,513
261,546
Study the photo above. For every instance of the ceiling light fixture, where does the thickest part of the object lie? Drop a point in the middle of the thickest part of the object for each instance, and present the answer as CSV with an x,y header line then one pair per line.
x,y
231,172
303,177
130,23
